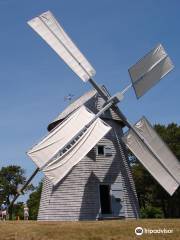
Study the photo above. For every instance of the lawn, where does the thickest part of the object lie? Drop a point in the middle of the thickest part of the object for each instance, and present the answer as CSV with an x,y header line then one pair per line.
x,y
101,230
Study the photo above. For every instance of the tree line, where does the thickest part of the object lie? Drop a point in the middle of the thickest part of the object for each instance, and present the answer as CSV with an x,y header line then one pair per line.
x,y
153,200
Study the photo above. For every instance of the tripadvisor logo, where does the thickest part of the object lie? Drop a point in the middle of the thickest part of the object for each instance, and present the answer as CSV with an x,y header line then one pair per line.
x,y
139,231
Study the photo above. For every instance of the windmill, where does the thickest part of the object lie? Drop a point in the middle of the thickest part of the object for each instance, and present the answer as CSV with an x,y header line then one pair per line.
x,y
71,139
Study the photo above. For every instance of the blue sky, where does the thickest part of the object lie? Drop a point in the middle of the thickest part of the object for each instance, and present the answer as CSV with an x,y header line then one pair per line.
x,y
113,35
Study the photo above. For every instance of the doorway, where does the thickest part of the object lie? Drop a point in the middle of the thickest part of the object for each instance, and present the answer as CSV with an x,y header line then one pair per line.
x,y
105,199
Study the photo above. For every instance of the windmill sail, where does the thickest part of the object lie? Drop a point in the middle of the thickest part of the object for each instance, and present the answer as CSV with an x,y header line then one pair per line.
x,y
48,154
50,30
149,70
165,168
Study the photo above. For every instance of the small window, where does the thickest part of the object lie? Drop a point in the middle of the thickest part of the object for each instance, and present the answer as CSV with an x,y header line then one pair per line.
x,y
104,150
100,150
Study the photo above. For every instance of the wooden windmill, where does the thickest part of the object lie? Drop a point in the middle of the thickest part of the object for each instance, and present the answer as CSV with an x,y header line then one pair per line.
x,y
84,158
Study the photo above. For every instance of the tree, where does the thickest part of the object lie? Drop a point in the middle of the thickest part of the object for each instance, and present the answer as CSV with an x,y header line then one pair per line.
x,y
153,199
34,201
11,179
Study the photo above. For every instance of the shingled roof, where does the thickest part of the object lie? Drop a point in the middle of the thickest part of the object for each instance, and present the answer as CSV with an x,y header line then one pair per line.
x,y
91,100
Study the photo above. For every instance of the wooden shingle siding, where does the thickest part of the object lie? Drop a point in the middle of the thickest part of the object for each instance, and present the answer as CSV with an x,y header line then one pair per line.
x,y
77,196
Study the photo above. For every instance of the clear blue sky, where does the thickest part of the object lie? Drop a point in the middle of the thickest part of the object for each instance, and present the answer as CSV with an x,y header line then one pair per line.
x,y
111,34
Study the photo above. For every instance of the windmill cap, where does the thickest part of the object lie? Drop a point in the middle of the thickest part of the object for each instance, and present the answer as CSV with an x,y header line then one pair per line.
x,y
92,101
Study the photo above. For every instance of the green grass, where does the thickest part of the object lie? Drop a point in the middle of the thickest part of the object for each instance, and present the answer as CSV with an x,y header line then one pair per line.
x,y
100,230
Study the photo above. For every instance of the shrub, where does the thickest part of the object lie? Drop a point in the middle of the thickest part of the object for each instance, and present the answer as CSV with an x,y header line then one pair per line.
x,y
151,212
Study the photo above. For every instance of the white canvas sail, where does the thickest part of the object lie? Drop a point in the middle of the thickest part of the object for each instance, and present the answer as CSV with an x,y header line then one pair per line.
x,y
51,31
46,154
149,70
165,168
